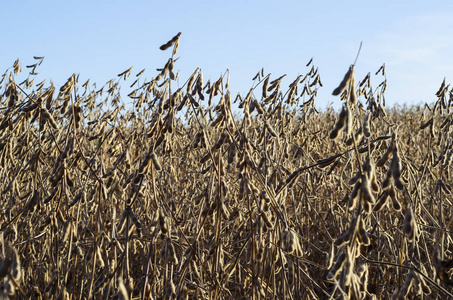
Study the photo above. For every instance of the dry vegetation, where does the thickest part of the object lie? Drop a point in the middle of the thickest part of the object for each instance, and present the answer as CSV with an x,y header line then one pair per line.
x,y
177,198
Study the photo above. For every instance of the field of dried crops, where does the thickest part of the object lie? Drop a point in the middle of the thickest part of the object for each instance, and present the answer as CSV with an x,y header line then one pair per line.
x,y
181,196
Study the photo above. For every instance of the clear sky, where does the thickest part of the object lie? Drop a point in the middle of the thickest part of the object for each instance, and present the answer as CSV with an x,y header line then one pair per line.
x,y
99,39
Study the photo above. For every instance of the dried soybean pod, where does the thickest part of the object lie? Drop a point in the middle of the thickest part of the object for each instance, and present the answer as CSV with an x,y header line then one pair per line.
x,y
170,42
134,219
356,177
386,155
156,162
362,234
191,82
396,170
270,129
409,226
219,142
293,176
396,165
6,263
341,259
387,179
76,198
352,93
163,223
382,201
51,196
258,107
175,49
349,123
428,123
353,198
265,86
395,202
183,102
231,153
366,125
382,68
50,119
16,270
398,183
344,82
358,136
340,123
218,120
327,161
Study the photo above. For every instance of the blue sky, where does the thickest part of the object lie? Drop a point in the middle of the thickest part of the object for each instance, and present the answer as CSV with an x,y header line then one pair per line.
x,y
99,39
